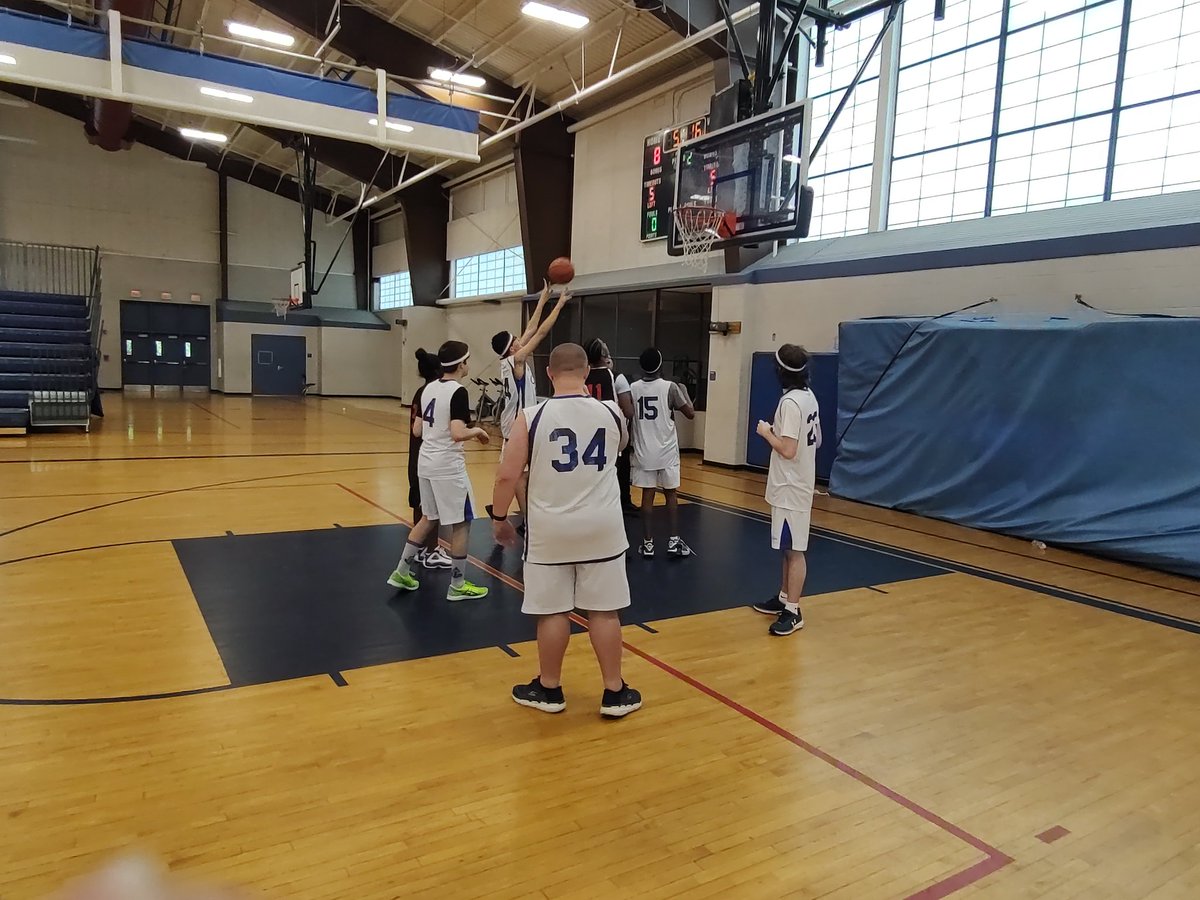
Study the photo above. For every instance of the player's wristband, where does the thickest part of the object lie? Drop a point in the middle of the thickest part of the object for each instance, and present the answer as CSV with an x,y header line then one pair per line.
x,y
492,513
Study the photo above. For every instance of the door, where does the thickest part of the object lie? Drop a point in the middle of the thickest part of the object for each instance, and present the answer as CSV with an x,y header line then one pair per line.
x,y
277,365
765,391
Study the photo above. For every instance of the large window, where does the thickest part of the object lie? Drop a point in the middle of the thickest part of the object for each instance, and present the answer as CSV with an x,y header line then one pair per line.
x,y
395,291
945,98
1158,129
1008,106
840,174
498,272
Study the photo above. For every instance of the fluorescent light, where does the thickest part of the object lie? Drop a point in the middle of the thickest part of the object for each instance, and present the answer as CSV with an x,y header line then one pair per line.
x,y
279,39
792,158
197,135
7,60
226,95
462,78
395,126
553,14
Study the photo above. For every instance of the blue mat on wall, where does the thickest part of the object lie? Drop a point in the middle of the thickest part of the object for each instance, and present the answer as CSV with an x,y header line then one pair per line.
x,y
1082,431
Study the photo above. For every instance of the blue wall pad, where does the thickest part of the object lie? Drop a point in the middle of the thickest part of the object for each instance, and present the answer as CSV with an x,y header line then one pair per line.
x,y
1082,431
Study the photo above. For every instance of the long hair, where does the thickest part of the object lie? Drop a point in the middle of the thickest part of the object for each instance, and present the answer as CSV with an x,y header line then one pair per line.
x,y
428,366
791,362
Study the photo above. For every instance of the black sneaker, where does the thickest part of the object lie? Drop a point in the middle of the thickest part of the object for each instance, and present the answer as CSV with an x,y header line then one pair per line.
x,y
646,550
535,696
772,607
615,704
787,622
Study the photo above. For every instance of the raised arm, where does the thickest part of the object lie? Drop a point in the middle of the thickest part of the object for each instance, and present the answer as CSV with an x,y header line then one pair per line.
x,y
532,325
539,334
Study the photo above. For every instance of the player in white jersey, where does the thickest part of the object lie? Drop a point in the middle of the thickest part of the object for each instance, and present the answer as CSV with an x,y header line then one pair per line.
x,y
575,539
656,449
794,437
520,390
446,498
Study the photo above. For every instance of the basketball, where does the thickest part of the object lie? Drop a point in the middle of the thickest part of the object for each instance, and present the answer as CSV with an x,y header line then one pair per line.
x,y
561,271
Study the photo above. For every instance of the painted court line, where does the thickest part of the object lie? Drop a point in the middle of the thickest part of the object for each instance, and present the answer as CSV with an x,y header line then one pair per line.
x,y
994,859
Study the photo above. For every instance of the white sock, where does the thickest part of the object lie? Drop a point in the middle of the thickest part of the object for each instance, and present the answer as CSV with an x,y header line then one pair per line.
x,y
458,574
793,608
783,598
410,550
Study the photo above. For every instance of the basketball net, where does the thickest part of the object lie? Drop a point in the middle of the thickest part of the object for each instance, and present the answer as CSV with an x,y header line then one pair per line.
x,y
698,228
282,305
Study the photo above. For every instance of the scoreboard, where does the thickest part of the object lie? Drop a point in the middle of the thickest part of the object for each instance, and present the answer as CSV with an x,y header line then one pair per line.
x,y
658,175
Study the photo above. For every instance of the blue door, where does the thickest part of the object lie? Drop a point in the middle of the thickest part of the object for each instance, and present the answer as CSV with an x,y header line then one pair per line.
x,y
765,391
277,365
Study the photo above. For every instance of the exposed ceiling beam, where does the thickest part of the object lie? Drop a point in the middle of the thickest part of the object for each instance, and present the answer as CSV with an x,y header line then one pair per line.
x,y
686,17
171,143
374,42
359,161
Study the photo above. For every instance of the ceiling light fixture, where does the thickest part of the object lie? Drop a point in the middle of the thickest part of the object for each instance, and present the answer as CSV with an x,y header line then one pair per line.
x,y
461,78
277,38
395,126
226,95
7,60
555,15
196,134
792,158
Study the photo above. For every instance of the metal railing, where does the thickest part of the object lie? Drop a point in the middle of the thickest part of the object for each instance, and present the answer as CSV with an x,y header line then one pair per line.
x,y
63,376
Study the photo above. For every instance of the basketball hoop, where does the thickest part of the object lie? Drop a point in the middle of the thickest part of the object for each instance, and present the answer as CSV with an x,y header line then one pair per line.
x,y
699,227
282,305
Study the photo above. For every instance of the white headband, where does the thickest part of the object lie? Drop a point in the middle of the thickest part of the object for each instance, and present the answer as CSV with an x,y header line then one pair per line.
x,y
457,362
786,367
512,339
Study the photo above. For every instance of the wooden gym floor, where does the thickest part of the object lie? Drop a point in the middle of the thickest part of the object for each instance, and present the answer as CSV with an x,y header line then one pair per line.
x,y
995,722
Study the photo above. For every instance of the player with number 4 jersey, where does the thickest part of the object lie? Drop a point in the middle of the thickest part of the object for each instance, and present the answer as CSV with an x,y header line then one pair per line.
x,y
575,539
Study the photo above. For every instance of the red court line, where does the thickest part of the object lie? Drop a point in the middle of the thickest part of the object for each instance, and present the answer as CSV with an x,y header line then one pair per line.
x,y
994,859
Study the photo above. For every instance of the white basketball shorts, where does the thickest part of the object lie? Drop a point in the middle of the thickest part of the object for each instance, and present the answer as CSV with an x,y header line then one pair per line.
x,y
789,528
663,479
599,586
448,501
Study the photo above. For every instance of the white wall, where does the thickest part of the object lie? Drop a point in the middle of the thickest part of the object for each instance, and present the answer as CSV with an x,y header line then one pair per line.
x,y
235,344
484,216
809,312
606,210
266,241
359,362
156,220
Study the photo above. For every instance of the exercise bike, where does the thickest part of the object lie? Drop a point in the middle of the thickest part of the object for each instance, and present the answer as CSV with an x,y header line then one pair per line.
x,y
487,408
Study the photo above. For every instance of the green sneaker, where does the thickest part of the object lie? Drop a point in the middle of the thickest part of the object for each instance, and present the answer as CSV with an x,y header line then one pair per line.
x,y
466,591
404,582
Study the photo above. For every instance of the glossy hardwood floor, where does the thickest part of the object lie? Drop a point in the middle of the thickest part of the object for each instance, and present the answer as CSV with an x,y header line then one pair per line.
x,y
973,734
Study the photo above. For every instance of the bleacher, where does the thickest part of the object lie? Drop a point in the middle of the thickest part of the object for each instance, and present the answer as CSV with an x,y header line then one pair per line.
x,y
49,329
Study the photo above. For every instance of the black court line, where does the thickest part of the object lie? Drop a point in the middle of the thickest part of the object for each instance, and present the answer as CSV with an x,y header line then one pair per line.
x,y
336,525
509,650
645,627
133,698
339,679
875,589
66,459
214,415
182,490
1115,606
230,534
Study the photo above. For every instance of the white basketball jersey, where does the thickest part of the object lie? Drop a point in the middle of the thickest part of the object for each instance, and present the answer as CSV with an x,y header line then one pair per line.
x,y
573,514
655,441
440,456
790,482
518,394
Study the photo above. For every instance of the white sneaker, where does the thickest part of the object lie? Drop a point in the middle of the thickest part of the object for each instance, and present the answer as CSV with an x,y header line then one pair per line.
x,y
419,559
437,559
646,550
676,547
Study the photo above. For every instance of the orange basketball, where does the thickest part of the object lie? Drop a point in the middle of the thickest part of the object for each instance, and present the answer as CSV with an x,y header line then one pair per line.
x,y
561,271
